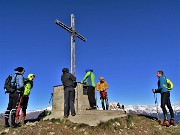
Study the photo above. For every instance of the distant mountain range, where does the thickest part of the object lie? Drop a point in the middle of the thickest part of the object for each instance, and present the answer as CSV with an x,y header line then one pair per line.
x,y
31,116
150,110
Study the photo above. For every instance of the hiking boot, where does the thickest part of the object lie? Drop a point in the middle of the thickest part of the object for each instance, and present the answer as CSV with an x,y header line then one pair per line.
x,y
14,126
166,123
6,125
90,108
73,114
107,107
94,107
65,117
160,122
172,122
13,119
6,122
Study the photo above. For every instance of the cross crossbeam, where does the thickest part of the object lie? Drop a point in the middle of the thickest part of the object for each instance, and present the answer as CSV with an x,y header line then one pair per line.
x,y
73,34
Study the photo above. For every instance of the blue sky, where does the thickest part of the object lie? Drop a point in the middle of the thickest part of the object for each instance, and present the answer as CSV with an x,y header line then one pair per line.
x,y
127,42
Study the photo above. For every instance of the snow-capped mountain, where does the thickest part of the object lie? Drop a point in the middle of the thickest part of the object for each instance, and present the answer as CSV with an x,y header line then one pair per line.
x,y
49,108
150,110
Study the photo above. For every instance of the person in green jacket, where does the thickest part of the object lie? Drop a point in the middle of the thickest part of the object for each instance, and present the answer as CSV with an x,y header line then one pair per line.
x,y
28,84
89,81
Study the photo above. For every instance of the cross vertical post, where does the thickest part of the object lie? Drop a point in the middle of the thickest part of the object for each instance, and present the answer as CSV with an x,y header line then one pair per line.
x,y
73,53
73,34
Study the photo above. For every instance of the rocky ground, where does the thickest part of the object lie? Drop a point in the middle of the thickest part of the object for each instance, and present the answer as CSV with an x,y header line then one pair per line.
x,y
90,117
128,125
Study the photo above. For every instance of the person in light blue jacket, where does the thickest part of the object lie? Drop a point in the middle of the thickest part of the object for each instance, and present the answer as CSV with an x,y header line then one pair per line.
x,y
18,78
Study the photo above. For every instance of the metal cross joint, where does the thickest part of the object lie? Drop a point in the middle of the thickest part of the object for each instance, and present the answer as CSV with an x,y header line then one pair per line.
x,y
73,33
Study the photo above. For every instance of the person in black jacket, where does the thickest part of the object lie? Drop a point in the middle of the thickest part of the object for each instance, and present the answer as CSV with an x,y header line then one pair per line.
x,y
69,83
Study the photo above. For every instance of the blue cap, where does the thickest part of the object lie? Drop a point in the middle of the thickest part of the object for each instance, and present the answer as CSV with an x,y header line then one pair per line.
x,y
87,70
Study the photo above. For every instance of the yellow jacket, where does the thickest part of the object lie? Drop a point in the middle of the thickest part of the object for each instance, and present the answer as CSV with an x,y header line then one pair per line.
x,y
101,86
28,84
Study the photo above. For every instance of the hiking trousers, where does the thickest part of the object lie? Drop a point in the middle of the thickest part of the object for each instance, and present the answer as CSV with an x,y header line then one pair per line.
x,y
165,100
104,97
91,96
12,105
102,102
23,102
69,96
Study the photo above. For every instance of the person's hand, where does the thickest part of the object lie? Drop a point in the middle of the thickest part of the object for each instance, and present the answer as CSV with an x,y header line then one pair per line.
x,y
153,90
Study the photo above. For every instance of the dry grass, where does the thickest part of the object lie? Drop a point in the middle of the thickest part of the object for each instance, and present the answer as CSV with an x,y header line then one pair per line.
x,y
132,125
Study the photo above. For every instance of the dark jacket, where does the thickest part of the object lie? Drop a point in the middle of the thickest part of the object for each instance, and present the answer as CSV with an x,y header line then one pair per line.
x,y
68,80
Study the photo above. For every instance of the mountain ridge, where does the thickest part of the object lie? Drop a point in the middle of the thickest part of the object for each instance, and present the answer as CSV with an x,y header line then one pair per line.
x,y
150,110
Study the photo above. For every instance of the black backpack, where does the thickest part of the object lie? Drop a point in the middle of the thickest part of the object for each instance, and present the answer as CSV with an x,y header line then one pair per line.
x,y
8,87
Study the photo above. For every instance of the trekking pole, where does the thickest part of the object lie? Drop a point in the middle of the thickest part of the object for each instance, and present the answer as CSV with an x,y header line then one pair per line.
x,y
50,99
156,104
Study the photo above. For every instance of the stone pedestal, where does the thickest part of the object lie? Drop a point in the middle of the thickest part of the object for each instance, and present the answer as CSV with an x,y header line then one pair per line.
x,y
81,99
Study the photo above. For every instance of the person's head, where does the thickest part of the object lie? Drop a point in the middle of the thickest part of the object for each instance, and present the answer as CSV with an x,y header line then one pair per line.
x,y
31,77
65,70
20,70
160,73
101,79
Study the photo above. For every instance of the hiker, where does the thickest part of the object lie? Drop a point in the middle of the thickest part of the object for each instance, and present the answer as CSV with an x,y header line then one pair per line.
x,y
69,83
102,87
18,78
23,102
165,98
119,106
89,81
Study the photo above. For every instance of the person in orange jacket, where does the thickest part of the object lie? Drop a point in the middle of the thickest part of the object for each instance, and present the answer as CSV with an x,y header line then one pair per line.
x,y
102,87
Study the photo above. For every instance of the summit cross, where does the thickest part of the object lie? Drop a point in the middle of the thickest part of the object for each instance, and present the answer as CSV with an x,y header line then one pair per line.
x,y
73,34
